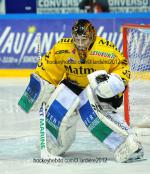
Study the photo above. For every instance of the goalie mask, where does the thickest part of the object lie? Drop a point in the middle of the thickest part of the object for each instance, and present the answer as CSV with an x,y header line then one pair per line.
x,y
83,34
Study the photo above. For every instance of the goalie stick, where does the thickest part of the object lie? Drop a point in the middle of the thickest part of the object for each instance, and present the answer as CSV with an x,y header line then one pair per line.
x,y
39,46
43,146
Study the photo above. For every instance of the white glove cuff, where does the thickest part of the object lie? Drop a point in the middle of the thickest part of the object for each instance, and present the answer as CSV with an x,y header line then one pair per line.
x,y
111,87
108,88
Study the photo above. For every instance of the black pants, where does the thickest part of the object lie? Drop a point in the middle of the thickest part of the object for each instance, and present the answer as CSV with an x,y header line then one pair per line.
x,y
115,101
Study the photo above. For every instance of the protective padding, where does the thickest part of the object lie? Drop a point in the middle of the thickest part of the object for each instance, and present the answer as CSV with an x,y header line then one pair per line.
x,y
37,91
105,126
61,120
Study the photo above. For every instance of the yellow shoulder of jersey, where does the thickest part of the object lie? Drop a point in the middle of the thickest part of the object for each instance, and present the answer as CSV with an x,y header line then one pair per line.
x,y
65,41
105,43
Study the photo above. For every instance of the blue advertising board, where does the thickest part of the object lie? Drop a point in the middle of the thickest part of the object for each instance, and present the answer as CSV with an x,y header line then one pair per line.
x,y
18,35
20,6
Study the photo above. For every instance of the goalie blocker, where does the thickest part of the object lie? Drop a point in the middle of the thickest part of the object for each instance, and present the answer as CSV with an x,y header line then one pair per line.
x,y
37,92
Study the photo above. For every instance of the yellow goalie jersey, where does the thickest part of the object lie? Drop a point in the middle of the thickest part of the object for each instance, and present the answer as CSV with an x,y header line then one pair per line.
x,y
63,62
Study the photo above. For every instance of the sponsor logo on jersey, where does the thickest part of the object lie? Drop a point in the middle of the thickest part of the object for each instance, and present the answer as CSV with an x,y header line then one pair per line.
x,y
125,62
102,54
81,70
71,60
106,42
66,40
74,51
109,44
115,37
62,52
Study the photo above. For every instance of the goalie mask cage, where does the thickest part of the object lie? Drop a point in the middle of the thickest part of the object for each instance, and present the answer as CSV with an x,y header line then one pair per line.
x,y
136,48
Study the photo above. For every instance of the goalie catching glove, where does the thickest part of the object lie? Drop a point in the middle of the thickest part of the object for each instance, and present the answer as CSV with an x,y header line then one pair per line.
x,y
106,85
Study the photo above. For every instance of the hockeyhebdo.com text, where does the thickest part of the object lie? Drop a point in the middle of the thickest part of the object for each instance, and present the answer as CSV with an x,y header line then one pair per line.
x,y
85,62
69,160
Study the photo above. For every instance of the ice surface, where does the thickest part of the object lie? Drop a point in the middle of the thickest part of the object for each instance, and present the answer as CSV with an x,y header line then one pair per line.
x,y
19,143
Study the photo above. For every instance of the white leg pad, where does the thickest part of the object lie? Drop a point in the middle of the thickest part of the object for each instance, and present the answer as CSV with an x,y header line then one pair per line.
x,y
61,120
66,136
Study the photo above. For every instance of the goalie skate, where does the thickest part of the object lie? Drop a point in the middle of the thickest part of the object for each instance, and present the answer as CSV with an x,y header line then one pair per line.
x,y
137,156
131,150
